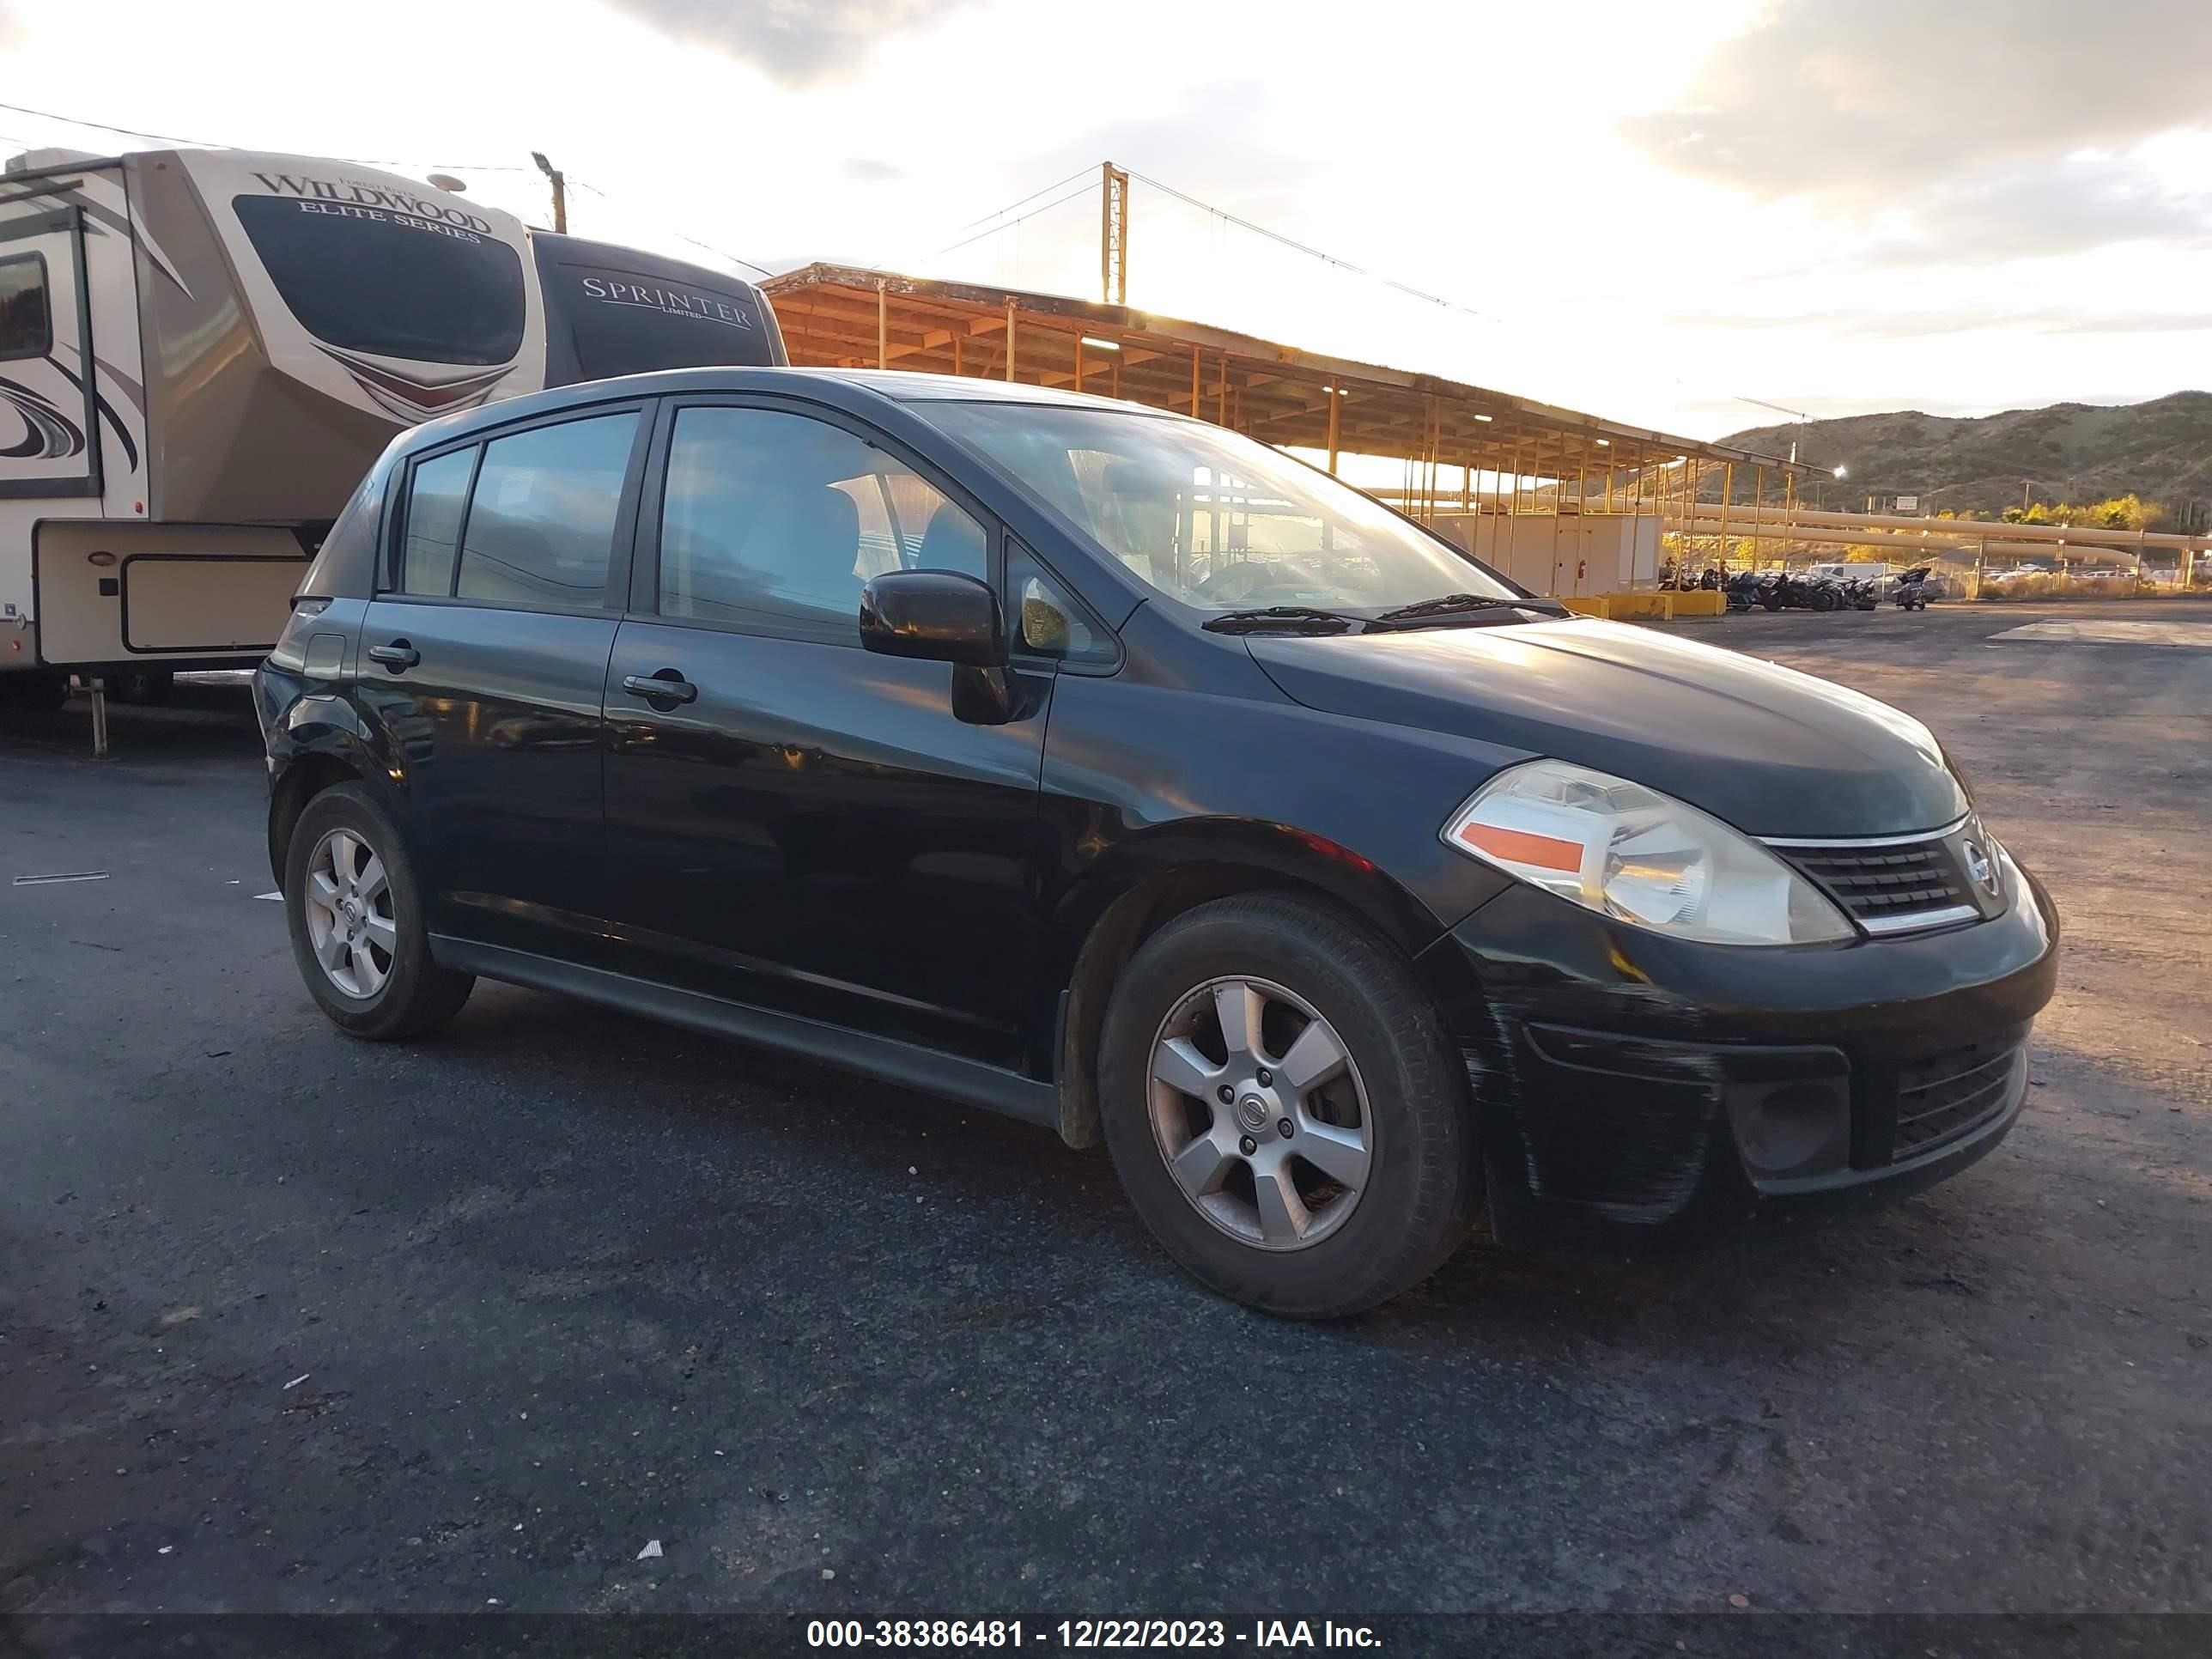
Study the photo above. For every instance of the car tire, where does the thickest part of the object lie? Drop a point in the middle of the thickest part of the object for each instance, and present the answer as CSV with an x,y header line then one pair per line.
x,y
358,930
1393,1120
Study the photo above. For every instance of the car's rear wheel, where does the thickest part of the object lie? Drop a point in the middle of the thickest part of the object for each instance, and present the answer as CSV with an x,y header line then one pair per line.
x,y
356,922
1283,1109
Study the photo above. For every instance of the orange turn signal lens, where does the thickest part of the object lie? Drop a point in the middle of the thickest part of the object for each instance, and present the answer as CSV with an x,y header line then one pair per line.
x,y
1522,846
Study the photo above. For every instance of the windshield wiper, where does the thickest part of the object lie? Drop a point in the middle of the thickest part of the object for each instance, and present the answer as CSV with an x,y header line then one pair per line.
x,y
1281,619
1447,606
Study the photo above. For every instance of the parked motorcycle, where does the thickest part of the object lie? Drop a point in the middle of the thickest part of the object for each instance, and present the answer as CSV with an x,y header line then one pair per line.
x,y
1746,588
1861,593
1790,591
1912,588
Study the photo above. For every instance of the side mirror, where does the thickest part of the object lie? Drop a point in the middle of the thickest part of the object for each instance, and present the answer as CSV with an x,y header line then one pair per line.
x,y
937,616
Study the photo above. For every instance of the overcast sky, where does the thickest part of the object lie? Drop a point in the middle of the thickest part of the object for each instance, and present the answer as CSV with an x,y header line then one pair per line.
x,y
1648,209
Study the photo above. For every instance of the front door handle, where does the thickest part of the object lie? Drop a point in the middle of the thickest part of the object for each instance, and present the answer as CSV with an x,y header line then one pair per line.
x,y
668,685
397,656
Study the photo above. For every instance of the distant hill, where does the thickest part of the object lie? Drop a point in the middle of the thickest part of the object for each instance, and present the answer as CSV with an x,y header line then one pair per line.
x,y
2160,450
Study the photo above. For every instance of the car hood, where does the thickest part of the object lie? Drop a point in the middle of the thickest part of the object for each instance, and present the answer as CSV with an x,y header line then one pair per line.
x,y
1773,751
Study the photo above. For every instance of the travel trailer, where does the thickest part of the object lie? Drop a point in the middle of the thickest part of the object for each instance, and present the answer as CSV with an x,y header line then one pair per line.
x,y
202,352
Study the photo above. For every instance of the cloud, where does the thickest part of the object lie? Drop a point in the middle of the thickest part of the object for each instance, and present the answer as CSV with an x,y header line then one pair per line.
x,y
1876,99
795,43
866,170
2082,202
1870,324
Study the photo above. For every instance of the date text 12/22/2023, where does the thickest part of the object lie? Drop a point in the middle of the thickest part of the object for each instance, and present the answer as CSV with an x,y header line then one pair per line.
x,y
1086,1633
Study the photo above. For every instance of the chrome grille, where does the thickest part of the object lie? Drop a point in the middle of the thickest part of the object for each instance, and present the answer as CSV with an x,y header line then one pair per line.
x,y
1890,886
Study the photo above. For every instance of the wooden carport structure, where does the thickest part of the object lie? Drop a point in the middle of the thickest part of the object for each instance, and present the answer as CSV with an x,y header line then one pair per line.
x,y
1504,454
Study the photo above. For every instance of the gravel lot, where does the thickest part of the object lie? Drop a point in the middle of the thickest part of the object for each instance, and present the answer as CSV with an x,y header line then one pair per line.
x,y
292,1323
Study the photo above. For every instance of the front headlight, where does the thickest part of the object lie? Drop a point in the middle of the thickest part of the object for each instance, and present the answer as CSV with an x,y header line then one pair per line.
x,y
1625,851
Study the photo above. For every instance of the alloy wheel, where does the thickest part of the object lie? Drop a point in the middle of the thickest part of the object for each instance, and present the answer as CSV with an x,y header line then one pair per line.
x,y
349,918
1260,1113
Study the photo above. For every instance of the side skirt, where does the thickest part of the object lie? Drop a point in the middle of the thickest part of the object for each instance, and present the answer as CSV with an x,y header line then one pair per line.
x,y
907,1064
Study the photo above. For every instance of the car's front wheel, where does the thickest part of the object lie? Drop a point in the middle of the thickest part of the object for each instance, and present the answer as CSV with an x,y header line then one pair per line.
x,y
357,924
1283,1109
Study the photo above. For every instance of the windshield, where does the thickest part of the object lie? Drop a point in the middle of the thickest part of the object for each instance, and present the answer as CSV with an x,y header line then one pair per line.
x,y
1213,518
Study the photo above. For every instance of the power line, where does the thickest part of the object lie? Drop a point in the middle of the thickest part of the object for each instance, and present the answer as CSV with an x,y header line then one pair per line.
x,y
128,132
210,143
1422,294
1083,189
720,253
1080,172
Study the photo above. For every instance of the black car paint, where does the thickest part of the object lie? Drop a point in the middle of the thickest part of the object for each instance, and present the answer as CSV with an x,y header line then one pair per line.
x,y
1770,751
914,891
1691,1019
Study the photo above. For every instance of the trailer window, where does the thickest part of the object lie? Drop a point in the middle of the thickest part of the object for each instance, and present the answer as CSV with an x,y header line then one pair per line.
x,y
542,517
27,324
387,283
621,323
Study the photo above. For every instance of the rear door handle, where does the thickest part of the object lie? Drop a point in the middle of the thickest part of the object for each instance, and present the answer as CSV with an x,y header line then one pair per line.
x,y
397,656
667,686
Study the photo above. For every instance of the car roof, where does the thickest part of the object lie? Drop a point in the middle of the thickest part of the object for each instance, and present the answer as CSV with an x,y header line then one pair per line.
x,y
853,390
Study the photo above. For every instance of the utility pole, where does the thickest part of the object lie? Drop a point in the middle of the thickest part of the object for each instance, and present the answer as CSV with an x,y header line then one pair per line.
x,y
1114,235
560,190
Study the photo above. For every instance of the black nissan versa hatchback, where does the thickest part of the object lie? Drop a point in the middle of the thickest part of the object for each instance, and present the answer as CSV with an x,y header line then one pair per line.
x,y
1104,767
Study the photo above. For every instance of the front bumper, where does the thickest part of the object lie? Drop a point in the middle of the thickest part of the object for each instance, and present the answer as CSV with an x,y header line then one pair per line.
x,y
1639,1092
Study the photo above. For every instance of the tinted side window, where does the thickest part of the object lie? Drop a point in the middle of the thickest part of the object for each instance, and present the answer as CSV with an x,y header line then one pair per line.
x,y
441,489
542,518
27,327
774,521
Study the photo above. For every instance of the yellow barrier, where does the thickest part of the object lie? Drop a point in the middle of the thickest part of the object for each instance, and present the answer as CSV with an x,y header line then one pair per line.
x,y
1651,606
